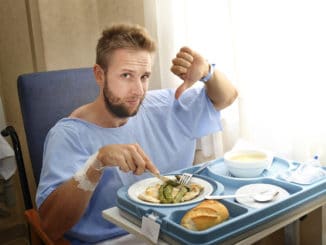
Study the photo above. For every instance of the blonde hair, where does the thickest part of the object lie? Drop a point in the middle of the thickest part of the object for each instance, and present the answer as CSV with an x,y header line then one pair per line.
x,y
121,36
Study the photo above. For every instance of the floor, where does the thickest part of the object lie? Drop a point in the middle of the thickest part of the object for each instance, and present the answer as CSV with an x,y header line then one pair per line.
x,y
19,241
13,226
15,235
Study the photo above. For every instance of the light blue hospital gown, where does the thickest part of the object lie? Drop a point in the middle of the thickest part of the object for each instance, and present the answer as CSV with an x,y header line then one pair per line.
x,y
165,128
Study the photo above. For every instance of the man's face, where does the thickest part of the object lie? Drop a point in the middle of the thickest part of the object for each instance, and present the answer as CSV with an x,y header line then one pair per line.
x,y
126,81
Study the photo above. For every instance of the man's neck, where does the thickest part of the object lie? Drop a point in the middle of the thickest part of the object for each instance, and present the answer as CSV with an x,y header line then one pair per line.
x,y
97,113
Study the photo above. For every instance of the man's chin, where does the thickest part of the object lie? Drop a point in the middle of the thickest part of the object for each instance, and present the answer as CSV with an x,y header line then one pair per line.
x,y
133,113
127,114
124,111
134,109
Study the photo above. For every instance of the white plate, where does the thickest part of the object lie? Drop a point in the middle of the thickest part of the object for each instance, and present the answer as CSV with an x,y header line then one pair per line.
x,y
255,188
140,186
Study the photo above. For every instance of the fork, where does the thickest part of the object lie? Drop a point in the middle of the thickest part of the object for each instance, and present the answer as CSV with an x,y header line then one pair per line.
x,y
186,177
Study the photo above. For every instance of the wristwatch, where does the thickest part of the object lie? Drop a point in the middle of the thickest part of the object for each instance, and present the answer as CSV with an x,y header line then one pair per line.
x,y
209,75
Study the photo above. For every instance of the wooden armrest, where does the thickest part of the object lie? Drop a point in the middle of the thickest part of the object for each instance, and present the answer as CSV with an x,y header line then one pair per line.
x,y
38,236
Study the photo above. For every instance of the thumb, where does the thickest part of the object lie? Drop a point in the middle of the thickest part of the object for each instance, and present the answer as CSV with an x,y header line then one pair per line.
x,y
180,90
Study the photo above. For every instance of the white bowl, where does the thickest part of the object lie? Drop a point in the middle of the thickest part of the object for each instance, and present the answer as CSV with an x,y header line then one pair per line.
x,y
246,163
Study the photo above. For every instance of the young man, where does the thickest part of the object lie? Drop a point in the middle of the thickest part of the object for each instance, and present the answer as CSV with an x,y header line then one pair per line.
x,y
126,130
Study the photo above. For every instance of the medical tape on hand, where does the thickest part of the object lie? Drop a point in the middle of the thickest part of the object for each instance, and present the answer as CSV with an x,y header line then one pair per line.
x,y
81,177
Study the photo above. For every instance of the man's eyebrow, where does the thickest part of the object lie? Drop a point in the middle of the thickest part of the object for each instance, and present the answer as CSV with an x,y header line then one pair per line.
x,y
128,70
133,71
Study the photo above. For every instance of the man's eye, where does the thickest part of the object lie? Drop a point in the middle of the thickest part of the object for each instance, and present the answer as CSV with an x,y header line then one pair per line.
x,y
145,77
125,75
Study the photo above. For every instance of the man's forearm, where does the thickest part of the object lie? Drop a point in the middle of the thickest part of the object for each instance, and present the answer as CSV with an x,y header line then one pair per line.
x,y
63,208
220,90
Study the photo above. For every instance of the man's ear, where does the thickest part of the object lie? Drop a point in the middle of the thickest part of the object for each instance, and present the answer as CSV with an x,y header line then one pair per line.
x,y
99,75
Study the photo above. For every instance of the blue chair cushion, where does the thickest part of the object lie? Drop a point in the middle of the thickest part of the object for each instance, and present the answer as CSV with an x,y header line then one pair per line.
x,y
46,97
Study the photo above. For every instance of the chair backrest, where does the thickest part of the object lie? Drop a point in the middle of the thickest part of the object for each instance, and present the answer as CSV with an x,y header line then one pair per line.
x,y
46,97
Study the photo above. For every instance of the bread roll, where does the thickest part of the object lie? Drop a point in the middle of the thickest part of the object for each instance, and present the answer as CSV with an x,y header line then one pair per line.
x,y
205,215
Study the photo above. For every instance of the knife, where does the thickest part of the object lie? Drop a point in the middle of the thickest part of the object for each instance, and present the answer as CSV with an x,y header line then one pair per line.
x,y
161,177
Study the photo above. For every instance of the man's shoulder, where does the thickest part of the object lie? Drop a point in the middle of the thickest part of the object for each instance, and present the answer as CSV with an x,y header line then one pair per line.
x,y
68,125
159,96
164,97
160,92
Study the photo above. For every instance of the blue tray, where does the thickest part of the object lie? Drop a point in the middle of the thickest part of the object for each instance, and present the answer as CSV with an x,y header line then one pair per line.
x,y
242,218
219,170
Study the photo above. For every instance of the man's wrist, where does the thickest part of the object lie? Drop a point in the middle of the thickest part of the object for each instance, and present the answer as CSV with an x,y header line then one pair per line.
x,y
209,75
89,175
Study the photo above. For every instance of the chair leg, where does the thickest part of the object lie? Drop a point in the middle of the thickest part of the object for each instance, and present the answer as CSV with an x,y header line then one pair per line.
x,y
10,131
34,239
37,235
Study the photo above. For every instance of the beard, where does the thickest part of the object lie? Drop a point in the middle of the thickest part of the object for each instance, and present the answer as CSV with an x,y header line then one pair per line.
x,y
116,106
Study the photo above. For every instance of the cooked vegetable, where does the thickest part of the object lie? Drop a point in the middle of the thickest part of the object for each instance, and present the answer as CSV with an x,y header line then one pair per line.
x,y
170,192
183,190
173,183
167,191
161,196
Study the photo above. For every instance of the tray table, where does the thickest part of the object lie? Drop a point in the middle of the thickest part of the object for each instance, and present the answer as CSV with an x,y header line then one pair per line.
x,y
243,219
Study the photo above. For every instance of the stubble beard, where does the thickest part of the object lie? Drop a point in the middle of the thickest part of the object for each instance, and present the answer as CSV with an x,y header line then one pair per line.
x,y
112,104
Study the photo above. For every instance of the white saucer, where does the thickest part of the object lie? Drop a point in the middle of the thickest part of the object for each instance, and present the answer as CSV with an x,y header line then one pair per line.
x,y
255,188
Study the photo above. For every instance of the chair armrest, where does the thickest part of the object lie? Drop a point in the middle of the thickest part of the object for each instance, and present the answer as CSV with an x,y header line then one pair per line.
x,y
38,236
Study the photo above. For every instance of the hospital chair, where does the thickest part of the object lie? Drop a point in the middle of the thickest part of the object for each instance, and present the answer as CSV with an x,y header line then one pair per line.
x,y
46,97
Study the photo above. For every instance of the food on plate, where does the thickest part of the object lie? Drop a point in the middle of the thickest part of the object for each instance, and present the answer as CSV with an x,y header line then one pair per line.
x,y
170,192
206,214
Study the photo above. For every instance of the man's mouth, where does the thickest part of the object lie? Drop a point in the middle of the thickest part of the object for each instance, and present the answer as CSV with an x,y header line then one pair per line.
x,y
133,102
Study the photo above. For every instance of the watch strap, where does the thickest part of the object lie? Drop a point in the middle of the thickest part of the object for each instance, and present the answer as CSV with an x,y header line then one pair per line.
x,y
209,75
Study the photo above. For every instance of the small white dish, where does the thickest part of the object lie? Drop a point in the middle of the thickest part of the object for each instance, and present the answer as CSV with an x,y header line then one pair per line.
x,y
140,186
278,166
243,192
247,163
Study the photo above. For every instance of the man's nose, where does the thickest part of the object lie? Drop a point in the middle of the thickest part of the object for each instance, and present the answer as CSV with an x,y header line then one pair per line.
x,y
138,87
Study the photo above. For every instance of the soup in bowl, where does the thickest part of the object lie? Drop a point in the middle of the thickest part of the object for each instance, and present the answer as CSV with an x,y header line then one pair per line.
x,y
246,163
